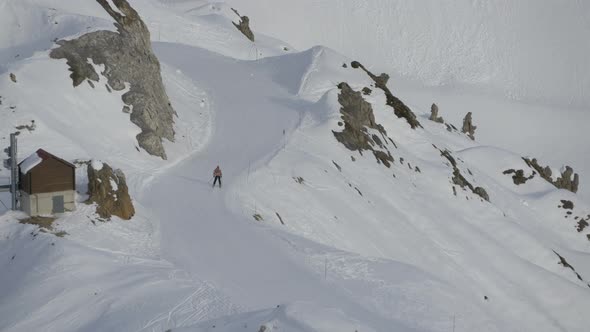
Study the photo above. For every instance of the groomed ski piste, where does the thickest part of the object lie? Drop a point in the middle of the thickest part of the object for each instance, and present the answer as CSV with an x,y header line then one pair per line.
x,y
305,235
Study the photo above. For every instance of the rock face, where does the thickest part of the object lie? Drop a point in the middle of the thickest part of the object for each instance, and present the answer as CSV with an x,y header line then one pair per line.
x,y
434,114
244,26
399,108
565,181
357,115
468,127
127,58
108,189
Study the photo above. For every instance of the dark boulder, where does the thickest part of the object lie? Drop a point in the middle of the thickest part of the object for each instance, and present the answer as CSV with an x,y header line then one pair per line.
x,y
108,189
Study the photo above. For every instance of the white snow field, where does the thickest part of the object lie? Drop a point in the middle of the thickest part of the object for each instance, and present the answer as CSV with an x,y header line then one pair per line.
x,y
305,235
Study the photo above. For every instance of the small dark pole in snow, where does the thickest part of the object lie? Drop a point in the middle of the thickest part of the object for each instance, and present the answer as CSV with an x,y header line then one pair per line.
x,y
248,177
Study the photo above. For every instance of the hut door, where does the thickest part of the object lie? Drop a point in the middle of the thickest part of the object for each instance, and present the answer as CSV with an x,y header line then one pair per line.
x,y
58,204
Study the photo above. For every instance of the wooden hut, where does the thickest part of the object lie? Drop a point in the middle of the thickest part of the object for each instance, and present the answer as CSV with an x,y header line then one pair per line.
x,y
47,184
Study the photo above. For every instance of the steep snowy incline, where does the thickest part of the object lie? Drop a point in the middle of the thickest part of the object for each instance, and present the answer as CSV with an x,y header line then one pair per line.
x,y
199,232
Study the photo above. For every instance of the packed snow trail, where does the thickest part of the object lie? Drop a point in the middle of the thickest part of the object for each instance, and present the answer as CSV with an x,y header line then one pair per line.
x,y
199,232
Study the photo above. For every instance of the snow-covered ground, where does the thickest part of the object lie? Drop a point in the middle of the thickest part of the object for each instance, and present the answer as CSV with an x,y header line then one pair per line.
x,y
305,235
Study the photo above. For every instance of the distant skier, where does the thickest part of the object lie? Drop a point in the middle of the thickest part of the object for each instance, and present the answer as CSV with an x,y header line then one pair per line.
x,y
217,174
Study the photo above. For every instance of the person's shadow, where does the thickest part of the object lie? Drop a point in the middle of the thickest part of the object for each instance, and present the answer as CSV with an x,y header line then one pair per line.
x,y
201,182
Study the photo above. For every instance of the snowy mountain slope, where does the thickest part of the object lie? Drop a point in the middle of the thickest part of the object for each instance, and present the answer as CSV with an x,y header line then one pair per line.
x,y
361,208
360,249
532,51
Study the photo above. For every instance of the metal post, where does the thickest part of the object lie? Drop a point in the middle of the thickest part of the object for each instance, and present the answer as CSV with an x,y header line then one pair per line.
x,y
13,171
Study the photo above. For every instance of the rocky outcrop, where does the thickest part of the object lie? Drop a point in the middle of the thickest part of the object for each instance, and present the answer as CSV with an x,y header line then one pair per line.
x,y
568,179
12,77
468,127
357,118
582,224
568,205
127,58
399,108
460,180
108,189
518,178
30,127
565,264
244,26
434,114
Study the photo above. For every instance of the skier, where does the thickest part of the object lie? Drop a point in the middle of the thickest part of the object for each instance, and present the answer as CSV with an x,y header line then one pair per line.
x,y
217,175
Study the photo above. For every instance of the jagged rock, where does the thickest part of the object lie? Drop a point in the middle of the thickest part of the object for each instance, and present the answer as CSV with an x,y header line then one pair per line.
x,y
565,181
460,180
13,77
29,127
399,108
367,91
128,57
337,166
468,127
434,114
481,193
544,172
451,128
244,26
565,264
108,189
357,115
568,205
582,224
518,177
